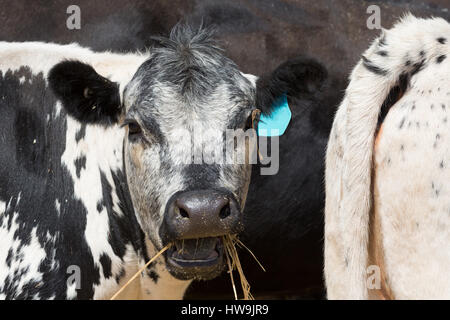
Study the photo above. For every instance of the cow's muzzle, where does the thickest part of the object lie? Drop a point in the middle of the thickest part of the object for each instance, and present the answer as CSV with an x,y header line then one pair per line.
x,y
194,223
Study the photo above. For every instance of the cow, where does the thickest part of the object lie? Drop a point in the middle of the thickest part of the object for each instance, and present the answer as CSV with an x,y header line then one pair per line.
x,y
94,178
126,25
387,214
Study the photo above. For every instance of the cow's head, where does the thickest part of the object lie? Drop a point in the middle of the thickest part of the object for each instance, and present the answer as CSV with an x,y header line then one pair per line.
x,y
177,107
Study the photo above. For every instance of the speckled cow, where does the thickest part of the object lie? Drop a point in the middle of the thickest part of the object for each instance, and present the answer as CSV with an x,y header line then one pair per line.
x,y
388,170
93,177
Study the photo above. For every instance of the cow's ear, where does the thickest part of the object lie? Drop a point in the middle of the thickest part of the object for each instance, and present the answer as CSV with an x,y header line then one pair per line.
x,y
296,78
85,95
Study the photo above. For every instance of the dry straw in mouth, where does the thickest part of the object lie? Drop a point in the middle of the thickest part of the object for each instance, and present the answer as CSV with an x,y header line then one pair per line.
x,y
233,262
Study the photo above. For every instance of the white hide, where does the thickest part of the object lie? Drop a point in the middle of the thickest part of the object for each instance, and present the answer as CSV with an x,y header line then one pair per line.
x,y
411,197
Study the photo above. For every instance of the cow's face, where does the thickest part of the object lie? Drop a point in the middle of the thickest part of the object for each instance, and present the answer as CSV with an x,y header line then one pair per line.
x,y
180,106
186,113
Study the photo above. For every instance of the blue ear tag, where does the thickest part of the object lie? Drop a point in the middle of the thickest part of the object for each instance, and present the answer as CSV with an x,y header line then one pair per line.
x,y
277,122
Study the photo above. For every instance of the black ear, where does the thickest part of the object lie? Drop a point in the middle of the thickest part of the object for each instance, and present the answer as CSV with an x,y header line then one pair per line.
x,y
297,78
86,95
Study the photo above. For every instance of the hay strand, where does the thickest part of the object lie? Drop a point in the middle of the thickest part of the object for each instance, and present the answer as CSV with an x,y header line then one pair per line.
x,y
234,263
140,270
230,272
239,242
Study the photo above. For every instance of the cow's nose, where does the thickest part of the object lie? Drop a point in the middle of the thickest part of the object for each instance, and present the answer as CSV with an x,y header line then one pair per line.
x,y
203,213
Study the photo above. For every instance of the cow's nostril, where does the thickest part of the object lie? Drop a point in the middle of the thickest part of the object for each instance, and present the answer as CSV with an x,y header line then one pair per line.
x,y
182,212
225,211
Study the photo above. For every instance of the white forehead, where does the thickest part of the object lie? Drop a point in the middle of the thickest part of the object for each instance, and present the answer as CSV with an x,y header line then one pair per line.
x,y
166,104
213,111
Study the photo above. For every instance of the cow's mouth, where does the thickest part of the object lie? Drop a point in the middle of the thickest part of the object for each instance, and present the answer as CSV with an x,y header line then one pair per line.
x,y
200,258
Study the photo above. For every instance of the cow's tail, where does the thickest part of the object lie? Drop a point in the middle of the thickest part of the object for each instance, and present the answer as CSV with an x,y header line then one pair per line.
x,y
388,64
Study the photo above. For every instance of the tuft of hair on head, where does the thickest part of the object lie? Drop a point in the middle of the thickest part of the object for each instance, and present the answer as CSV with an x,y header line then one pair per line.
x,y
185,35
85,95
299,78
189,58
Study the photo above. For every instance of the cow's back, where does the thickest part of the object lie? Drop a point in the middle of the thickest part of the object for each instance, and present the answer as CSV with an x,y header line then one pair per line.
x,y
411,217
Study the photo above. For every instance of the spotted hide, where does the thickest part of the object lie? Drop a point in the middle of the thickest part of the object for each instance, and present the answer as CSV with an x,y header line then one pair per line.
x,y
93,178
64,206
387,224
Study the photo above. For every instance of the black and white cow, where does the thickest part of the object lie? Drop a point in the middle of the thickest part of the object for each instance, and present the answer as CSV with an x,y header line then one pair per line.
x,y
93,173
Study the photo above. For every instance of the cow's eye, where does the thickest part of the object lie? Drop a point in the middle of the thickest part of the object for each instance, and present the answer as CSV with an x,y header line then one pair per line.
x,y
134,130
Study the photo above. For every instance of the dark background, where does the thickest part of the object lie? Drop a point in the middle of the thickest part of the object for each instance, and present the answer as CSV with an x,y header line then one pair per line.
x,y
258,35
